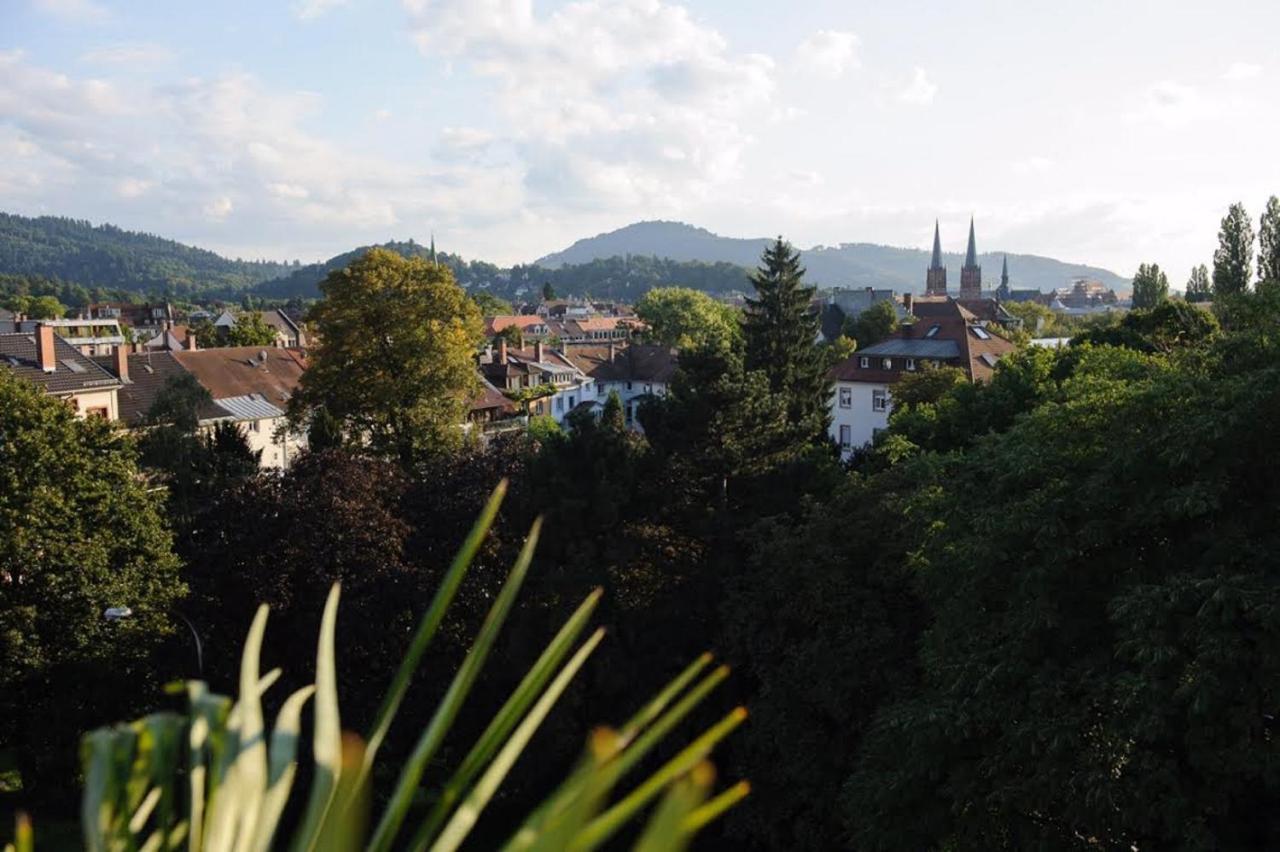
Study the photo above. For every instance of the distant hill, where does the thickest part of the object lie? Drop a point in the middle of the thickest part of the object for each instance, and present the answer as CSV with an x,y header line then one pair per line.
x,y
110,257
846,265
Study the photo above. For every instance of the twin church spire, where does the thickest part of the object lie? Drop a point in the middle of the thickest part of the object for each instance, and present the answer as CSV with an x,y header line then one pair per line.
x,y
935,282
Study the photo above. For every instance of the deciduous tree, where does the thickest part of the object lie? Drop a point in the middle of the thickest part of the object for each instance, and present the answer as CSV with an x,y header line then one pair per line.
x,y
1269,244
687,319
395,365
1233,259
1150,286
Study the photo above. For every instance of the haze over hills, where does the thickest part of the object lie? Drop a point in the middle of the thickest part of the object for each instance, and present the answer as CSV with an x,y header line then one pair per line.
x,y
622,264
846,265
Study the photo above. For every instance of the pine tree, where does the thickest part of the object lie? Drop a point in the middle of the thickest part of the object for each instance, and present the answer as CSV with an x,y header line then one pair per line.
x,y
1269,244
1198,287
1150,286
1234,258
781,335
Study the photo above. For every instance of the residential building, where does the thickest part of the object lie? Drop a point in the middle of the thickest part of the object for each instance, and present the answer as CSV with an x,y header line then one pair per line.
x,y
597,329
539,378
531,326
943,333
634,372
89,336
289,334
62,370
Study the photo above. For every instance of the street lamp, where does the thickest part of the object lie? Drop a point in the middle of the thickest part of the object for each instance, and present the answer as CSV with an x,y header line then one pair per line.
x,y
120,613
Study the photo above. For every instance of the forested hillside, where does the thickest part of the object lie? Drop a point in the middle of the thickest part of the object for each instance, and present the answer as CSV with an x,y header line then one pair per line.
x,y
106,256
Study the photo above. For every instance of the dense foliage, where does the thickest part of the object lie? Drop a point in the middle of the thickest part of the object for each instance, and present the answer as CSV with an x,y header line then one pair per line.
x,y
79,533
688,319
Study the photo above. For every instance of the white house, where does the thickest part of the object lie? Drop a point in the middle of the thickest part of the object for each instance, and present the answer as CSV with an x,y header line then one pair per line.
x,y
538,377
634,372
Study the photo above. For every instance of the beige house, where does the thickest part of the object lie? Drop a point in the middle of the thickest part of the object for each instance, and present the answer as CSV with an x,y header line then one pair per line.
x,y
47,360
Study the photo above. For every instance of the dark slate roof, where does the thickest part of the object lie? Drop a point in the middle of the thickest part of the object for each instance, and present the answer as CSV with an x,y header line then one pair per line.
x,y
18,353
637,362
149,372
244,370
914,348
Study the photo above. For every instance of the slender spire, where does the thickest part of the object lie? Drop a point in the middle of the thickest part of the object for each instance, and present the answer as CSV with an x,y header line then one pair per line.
x,y
971,256
937,247
434,262
1004,272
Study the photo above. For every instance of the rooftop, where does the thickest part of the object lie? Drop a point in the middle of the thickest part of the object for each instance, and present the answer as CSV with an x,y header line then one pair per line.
x,y
72,373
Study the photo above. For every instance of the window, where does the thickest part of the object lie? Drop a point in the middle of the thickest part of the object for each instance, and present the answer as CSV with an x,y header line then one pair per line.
x,y
911,363
887,363
846,398
864,362
628,385
100,412
846,436
255,425
933,331
572,402
648,388
559,404
980,332
879,400
630,412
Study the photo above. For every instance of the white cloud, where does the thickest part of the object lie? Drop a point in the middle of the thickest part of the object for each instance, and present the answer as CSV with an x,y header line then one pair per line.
x,y
828,53
618,104
920,90
218,208
465,138
1242,71
308,10
133,187
130,55
1032,165
382,114
287,190
1174,105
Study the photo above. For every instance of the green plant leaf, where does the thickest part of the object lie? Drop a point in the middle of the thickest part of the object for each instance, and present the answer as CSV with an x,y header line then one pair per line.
x,y
326,743
451,704
283,765
469,811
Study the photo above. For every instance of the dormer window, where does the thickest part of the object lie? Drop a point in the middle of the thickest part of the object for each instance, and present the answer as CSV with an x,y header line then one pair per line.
x,y
887,363
864,362
911,363
933,331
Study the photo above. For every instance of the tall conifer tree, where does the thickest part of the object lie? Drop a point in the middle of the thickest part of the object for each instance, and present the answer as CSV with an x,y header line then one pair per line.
x,y
1150,286
1233,260
781,339
1269,244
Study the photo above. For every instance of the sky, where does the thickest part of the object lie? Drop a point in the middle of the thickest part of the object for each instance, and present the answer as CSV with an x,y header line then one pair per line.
x,y
1114,132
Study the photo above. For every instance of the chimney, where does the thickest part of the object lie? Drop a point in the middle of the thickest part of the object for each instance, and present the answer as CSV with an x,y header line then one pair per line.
x,y
122,362
502,350
44,348
612,350
907,301
537,351
190,342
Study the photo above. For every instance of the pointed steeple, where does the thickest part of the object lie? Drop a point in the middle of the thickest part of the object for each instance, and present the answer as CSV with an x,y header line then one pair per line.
x,y
935,279
434,262
971,274
1004,273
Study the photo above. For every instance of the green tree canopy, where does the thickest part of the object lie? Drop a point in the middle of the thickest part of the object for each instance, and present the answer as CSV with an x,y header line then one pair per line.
x,y
1150,286
1269,244
395,365
1233,259
79,533
781,332
1199,287
873,325
687,319
489,304
251,330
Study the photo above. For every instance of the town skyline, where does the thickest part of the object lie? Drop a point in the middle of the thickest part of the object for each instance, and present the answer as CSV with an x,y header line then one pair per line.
x,y
302,130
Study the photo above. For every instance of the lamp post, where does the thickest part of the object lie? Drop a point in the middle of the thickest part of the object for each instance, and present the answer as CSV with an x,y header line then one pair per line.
x,y
120,613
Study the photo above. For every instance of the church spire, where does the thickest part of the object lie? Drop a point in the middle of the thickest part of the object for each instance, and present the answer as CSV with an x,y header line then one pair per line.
x,y
434,262
1004,273
935,280
971,274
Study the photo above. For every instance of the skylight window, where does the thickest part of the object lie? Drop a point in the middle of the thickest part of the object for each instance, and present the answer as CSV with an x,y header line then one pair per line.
x,y
980,332
933,331
73,366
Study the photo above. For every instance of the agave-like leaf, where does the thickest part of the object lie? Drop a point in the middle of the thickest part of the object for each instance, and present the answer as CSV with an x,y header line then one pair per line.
x,y
430,623
506,719
453,699
664,832
602,827
713,809
282,767
457,829
326,746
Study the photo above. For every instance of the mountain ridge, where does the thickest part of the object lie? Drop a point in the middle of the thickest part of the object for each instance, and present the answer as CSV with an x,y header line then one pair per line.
x,y
849,264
